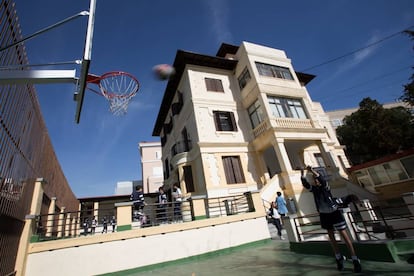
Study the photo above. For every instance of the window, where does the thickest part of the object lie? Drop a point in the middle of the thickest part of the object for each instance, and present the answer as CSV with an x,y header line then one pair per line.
x,y
378,175
363,178
214,85
186,140
157,171
286,108
224,121
255,114
233,169
337,122
395,171
274,71
167,169
244,78
408,164
158,155
319,160
188,179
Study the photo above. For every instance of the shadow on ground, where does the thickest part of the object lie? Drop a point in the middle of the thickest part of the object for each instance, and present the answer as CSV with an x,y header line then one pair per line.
x,y
273,258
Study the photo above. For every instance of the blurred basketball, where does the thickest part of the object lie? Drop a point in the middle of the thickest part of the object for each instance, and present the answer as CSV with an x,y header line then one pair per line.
x,y
163,71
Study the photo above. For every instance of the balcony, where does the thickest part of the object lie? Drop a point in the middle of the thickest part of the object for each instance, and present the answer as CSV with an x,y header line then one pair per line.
x,y
292,123
176,108
181,146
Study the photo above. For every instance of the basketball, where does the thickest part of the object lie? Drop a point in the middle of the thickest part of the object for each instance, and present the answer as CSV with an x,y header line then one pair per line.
x,y
163,71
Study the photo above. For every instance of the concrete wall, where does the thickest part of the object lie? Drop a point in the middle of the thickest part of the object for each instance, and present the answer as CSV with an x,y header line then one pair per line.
x,y
136,248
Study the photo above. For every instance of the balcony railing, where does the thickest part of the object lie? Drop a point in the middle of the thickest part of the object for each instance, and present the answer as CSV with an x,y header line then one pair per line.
x,y
292,123
282,123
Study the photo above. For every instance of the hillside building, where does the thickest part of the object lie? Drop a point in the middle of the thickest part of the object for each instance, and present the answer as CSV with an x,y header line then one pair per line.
x,y
241,121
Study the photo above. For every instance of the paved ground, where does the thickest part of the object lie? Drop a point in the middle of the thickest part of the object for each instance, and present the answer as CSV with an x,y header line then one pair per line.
x,y
273,258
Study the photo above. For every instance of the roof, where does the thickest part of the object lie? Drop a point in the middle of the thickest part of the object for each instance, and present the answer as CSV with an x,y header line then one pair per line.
x,y
227,49
103,198
183,58
382,160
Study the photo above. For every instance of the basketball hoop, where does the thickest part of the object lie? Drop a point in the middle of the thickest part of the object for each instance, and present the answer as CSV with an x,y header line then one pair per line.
x,y
117,87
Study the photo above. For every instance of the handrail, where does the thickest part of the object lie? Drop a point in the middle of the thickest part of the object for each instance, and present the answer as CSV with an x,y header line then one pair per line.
x,y
76,224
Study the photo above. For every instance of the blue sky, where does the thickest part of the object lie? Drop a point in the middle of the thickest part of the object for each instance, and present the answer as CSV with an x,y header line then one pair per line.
x,y
133,36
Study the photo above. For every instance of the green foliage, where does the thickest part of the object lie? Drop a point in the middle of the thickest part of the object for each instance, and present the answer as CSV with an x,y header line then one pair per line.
x,y
373,131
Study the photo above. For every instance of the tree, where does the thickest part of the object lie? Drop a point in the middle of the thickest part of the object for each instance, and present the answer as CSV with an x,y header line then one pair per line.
x,y
408,94
373,132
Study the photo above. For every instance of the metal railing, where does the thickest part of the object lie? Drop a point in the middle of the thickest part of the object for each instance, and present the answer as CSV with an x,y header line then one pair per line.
x,y
226,206
373,223
76,224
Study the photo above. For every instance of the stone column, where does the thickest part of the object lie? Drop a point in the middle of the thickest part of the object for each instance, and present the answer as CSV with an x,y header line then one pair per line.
x,y
61,222
181,180
282,155
29,233
96,209
123,216
68,225
284,162
74,225
50,217
77,223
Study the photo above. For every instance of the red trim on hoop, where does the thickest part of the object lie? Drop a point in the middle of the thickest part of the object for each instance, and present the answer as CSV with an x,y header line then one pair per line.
x,y
95,79
91,78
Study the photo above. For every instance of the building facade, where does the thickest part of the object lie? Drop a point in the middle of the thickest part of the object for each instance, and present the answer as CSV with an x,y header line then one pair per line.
x,y
243,120
389,177
151,165
126,187
29,167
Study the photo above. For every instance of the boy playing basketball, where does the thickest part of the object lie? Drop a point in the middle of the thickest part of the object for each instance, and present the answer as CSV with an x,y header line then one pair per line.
x,y
330,217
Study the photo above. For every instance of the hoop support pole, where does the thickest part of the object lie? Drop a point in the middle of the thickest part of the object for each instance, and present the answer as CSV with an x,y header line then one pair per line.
x,y
80,95
82,13
37,76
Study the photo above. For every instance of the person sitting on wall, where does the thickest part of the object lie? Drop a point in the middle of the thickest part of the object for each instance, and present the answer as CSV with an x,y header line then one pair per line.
x,y
137,197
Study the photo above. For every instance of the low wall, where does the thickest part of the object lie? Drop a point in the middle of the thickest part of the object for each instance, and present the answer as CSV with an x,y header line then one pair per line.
x,y
92,255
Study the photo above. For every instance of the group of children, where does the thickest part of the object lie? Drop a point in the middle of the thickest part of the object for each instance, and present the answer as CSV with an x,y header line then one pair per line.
x,y
94,223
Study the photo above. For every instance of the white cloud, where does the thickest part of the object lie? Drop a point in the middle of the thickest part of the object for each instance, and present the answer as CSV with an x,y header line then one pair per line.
x,y
218,11
359,56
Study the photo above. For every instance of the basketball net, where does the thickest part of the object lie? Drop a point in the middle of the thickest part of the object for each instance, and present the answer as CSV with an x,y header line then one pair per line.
x,y
118,88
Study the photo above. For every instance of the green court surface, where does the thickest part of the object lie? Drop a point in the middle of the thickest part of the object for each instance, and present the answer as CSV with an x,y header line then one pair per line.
x,y
268,258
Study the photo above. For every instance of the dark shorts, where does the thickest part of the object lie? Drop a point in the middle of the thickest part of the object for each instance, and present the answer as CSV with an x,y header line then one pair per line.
x,y
334,220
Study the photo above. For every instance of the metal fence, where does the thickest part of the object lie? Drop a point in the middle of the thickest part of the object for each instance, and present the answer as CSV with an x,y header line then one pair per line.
x,y
75,224
376,222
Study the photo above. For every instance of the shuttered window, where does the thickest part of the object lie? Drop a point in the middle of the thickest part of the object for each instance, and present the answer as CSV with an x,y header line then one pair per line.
x,y
233,169
214,85
224,121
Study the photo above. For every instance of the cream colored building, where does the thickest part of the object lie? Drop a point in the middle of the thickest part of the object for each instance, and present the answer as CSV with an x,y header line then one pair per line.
x,y
151,164
243,120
